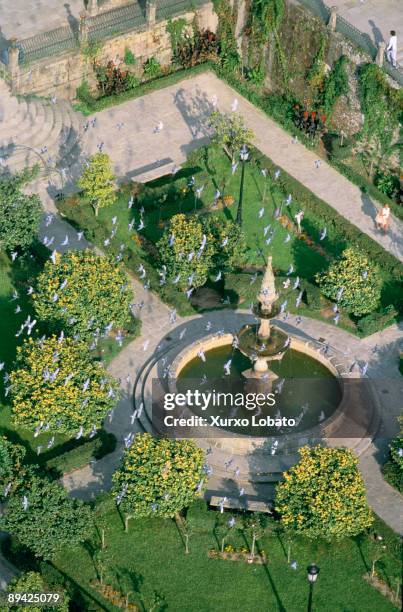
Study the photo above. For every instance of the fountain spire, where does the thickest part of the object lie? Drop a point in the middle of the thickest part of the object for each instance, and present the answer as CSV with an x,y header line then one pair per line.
x,y
268,294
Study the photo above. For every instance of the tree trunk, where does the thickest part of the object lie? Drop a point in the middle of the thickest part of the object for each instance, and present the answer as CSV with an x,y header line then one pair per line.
x,y
187,544
103,538
127,518
373,570
253,546
223,543
289,554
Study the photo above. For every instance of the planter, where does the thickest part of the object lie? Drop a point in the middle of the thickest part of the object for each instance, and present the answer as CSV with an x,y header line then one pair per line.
x,y
259,559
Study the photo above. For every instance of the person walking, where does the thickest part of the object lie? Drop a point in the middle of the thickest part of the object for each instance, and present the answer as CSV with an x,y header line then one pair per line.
x,y
391,49
382,219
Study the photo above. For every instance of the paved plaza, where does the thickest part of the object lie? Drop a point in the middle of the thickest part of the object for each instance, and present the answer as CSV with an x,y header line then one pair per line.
x,y
375,18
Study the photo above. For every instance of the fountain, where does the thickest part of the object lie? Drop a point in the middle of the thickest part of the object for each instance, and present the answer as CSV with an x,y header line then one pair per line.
x,y
264,342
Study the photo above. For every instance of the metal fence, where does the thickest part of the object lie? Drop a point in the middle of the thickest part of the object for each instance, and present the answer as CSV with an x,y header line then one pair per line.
x,y
48,44
169,8
360,39
117,21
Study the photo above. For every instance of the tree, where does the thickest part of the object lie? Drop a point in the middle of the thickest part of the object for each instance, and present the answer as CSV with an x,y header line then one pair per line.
x,y
224,527
33,582
158,477
97,182
180,250
230,132
353,281
12,469
228,239
323,495
83,292
20,213
57,383
255,526
50,521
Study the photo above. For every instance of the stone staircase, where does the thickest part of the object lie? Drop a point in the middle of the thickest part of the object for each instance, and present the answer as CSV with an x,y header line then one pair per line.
x,y
28,125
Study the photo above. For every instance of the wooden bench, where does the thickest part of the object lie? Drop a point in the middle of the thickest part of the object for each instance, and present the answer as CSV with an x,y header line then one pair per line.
x,y
244,503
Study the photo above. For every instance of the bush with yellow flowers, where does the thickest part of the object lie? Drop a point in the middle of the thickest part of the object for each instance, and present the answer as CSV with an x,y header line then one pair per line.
x,y
353,281
323,495
159,477
58,386
83,292
185,251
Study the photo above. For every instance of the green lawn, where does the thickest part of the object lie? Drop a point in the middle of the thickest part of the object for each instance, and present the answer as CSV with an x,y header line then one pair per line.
x,y
165,197
151,557
19,276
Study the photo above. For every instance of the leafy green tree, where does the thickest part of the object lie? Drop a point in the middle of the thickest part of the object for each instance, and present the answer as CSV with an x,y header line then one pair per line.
x,y
323,495
230,132
180,250
158,477
12,469
33,582
92,292
98,182
45,519
353,281
228,239
57,383
20,213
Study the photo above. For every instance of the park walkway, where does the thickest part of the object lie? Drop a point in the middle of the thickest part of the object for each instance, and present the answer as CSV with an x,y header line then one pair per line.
x,y
138,153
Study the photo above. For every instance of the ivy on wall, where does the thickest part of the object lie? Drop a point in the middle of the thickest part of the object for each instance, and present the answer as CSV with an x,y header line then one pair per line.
x,y
335,85
227,18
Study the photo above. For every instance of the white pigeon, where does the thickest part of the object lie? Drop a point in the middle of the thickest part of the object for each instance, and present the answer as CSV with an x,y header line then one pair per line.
x,y
227,367
234,105
323,234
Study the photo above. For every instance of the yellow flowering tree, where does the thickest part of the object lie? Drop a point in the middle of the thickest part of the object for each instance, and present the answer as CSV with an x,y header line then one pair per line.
x,y
353,281
83,292
323,495
98,181
57,384
158,477
187,251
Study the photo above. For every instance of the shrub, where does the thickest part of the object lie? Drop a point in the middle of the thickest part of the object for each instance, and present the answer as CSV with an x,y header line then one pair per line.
x,y
12,470
377,320
112,79
393,469
103,444
151,69
227,233
84,94
230,131
387,183
353,281
129,58
313,296
323,495
33,582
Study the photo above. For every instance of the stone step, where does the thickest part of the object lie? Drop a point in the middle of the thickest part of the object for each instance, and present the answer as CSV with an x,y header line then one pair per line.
x,y
23,122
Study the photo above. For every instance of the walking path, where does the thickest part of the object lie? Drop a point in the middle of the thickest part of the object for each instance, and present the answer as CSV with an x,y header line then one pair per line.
x,y
140,154
380,350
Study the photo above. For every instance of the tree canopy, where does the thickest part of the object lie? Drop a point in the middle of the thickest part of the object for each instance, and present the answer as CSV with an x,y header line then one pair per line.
x,y
57,384
83,292
159,477
98,181
323,495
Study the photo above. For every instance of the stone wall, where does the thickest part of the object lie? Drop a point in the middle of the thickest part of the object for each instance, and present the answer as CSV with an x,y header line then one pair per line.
x,y
62,74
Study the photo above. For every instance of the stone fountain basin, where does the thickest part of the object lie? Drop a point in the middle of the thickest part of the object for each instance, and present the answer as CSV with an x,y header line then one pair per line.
x,y
330,432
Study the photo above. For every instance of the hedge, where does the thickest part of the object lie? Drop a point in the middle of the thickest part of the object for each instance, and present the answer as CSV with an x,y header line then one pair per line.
x,y
376,321
101,445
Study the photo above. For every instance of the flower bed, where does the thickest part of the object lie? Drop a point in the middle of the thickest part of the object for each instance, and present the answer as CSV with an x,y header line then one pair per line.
x,y
238,555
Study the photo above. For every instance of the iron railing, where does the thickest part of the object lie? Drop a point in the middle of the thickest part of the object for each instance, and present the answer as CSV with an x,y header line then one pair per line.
x,y
354,35
48,44
116,21
169,8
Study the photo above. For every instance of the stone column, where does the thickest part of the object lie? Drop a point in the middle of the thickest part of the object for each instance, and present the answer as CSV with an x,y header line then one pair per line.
x,y
332,19
13,63
83,28
151,12
380,56
92,7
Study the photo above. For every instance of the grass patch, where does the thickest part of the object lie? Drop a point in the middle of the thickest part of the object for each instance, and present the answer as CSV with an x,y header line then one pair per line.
x,y
211,168
150,557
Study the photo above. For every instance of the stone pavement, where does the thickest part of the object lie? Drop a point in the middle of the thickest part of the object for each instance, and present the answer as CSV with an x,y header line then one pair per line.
x,y
380,350
375,18
138,153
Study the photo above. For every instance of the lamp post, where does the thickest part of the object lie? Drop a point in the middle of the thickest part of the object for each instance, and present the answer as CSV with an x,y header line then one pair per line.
x,y
244,156
313,572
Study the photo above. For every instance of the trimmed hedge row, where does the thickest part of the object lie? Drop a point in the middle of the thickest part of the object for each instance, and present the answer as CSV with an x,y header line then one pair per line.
x,y
101,445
